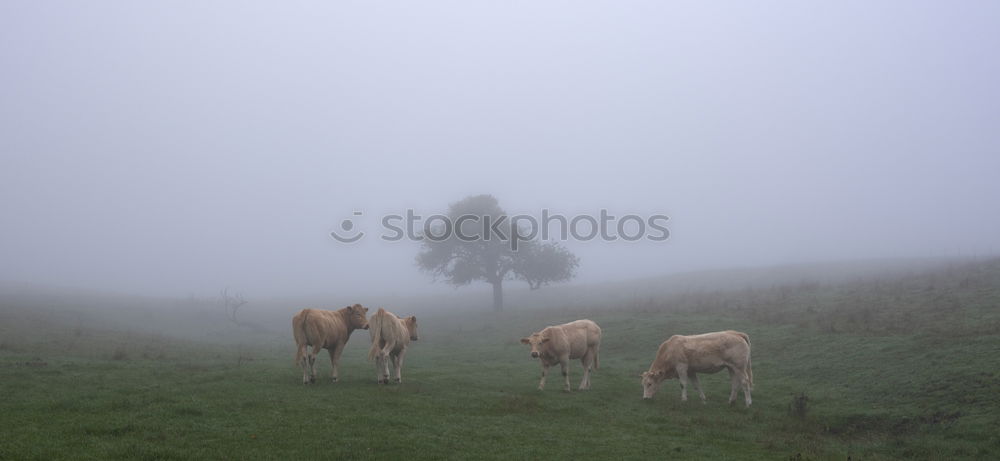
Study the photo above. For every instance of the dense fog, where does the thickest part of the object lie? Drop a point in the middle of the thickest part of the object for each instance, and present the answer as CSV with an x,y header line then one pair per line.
x,y
173,150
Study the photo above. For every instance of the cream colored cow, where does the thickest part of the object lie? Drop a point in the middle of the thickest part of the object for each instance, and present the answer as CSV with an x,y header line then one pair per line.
x,y
324,329
561,343
683,357
390,337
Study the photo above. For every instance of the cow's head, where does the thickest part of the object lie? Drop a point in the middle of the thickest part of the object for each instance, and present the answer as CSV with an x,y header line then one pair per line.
x,y
411,326
535,341
651,381
358,316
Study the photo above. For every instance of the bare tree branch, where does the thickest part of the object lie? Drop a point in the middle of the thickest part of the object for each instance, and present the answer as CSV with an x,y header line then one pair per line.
x,y
232,304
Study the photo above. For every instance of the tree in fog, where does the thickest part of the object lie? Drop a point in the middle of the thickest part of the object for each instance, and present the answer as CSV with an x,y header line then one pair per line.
x,y
540,264
480,243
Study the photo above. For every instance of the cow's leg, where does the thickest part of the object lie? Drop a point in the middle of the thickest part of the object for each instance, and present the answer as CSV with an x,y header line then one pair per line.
x,y
545,371
564,365
697,385
734,385
378,368
312,363
385,367
383,358
682,377
335,361
586,361
304,362
745,382
386,350
381,375
398,363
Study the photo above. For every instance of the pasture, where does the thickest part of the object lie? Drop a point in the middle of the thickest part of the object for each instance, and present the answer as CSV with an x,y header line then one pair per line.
x,y
880,368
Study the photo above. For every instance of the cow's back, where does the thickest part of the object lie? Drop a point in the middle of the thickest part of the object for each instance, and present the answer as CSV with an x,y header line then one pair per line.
x,y
389,329
581,335
707,351
318,327
403,334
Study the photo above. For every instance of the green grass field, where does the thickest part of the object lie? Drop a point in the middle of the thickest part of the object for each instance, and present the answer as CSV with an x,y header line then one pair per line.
x,y
874,387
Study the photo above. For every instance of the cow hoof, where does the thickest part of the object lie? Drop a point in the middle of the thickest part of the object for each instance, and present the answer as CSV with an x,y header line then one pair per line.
x,y
333,380
399,381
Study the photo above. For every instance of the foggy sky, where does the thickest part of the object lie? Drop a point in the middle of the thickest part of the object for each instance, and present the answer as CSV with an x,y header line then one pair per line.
x,y
171,148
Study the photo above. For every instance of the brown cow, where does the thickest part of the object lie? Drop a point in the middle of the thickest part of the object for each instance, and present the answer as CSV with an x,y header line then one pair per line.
x,y
324,329
682,357
390,336
558,344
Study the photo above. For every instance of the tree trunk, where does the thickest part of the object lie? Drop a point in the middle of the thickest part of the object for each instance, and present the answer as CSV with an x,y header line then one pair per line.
x,y
498,296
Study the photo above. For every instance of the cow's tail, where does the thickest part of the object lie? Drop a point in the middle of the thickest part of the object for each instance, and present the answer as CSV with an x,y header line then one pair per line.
x,y
749,367
301,335
597,348
375,326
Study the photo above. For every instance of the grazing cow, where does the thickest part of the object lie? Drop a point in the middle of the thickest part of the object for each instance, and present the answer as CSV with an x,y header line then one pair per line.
x,y
390,336
682,357
558,344
325,329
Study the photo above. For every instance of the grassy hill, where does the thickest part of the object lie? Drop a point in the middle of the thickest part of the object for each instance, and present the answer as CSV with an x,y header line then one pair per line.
x,y
882,365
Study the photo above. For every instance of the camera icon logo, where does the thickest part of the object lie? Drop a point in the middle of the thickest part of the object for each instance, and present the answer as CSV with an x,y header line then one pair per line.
x,y
346,227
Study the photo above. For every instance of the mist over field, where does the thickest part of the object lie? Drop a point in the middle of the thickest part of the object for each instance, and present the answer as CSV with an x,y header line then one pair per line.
x,y
152,149
178,180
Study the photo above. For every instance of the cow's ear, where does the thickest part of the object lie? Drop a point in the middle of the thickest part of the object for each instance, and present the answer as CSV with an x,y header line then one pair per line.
x,y
413,318
525,341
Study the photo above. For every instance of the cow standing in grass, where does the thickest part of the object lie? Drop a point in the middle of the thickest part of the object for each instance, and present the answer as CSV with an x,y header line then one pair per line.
x,y
390,337
561,343
325,329
682,357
